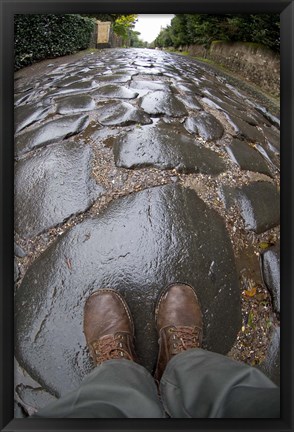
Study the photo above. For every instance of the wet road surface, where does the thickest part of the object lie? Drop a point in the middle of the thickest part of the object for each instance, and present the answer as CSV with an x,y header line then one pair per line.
x,y
133,169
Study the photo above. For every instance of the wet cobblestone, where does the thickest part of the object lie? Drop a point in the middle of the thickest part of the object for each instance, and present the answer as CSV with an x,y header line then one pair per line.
x,y
104,103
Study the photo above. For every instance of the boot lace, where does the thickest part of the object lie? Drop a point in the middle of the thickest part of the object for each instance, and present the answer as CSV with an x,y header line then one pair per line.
x,y
111,347
183,338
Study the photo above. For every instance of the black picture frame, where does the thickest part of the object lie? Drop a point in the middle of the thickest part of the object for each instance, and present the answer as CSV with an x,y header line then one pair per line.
x,y
8,9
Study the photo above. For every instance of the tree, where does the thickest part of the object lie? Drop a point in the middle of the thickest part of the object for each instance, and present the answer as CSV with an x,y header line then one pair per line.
x,y
135,41
266,30
123,24
164,38
188,29
204,28
177,31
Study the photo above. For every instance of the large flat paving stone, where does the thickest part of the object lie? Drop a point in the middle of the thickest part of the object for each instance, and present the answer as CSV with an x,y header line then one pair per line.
x,y
221,98
64,82
50,132
247,158
149,85
153,71
258,202
190,101
244,129
25,115
114,78
260,206
187,87
142,63
115,91
165,146
270,270
118,113
52,186
76,87
227,105
23,98
274,120
272,137
271,157
138,245
162,102
205,125
75,104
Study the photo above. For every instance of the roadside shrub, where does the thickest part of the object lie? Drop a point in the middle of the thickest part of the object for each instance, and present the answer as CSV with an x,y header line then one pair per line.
x,y
41,36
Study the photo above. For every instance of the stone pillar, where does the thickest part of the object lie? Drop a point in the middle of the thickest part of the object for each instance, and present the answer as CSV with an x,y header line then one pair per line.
x,y
103,34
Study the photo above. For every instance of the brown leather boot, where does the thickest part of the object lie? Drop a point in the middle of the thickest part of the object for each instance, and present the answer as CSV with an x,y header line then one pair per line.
x,y
108,327
179,323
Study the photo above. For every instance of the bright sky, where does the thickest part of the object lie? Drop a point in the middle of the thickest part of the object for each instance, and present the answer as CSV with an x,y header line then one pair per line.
x,y
149,25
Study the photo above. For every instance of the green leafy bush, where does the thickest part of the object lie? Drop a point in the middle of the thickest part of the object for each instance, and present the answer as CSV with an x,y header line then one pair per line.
x,y
40,36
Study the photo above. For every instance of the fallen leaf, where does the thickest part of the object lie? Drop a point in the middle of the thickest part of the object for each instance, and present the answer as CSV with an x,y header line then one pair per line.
x,y
264,245
251,292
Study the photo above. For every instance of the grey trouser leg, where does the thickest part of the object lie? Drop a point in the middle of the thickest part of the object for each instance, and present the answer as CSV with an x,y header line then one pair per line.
x,y
203,384
195,384
116,389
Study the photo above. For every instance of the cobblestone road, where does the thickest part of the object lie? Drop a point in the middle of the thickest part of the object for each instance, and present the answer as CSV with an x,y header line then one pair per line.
x,y
133,169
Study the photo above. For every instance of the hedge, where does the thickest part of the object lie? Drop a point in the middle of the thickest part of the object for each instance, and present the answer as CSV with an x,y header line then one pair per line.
x,y
37,37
